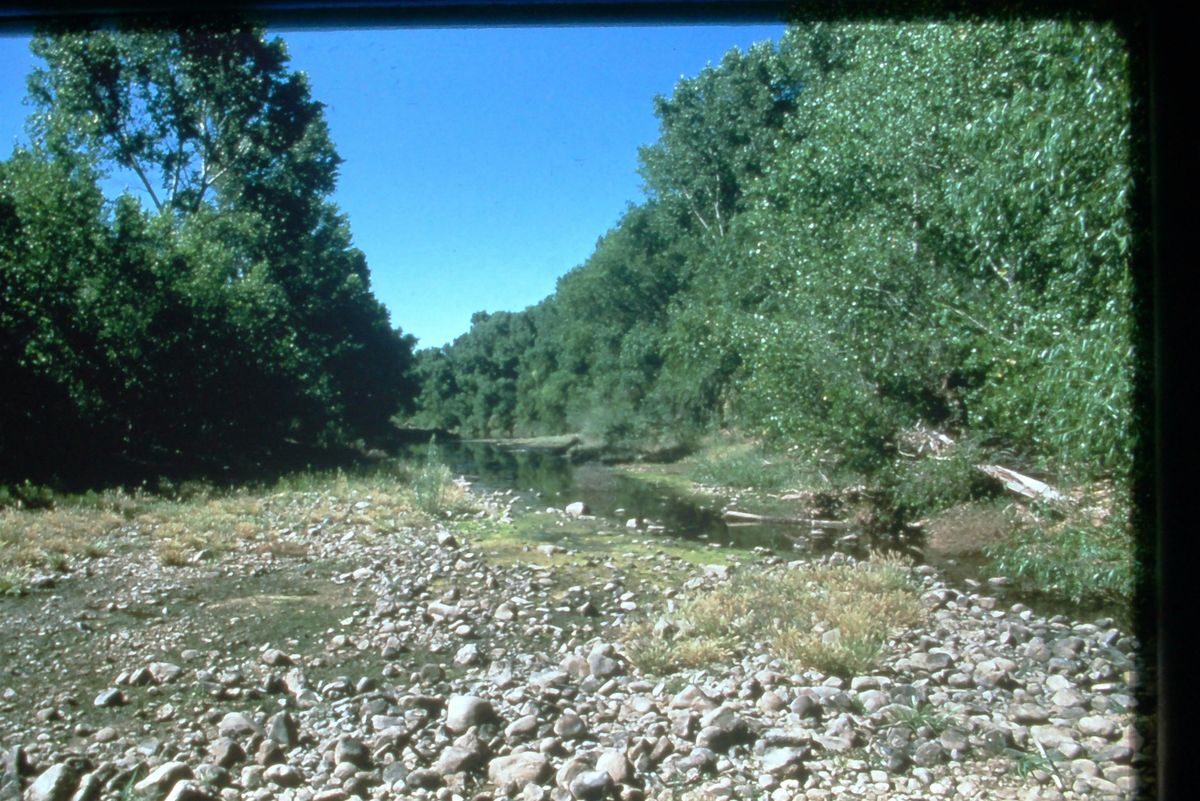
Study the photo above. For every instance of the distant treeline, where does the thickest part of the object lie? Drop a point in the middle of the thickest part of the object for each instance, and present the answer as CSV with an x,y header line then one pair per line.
x,y
226,316
862,230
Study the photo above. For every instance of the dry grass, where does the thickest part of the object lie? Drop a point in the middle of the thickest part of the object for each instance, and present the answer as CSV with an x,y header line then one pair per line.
x,y
203,520
835,618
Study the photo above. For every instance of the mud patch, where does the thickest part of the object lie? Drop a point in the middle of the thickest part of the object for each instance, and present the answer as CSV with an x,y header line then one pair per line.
x,y
967,529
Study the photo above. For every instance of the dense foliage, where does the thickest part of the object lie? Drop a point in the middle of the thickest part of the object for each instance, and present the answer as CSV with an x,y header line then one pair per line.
x,y
865,229
230,313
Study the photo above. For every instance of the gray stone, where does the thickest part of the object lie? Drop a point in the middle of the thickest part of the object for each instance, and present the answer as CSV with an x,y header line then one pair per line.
x,y
110,697
570,768
692,697
424,778
784,762
284,775
454,759
467,655
997,672
701,759
56,783
163,778
577,509
275,658
352,750
1097,726
164,672
616,765
465,711
517,770
89,789
283,729
521,728
1027,713
188,791
226,752
928,754
576,666
929,662
591,785
570,727
722,728
602,661
235,725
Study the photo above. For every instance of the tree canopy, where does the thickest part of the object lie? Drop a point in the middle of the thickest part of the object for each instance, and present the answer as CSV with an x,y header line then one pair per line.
x,y
867,228
229,314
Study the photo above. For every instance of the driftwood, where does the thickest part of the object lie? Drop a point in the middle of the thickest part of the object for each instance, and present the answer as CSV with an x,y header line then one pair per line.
x,y
747,518
1021,484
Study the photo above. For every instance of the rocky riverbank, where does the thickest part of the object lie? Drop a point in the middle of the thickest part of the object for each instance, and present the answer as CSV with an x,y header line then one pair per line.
x,y
341,664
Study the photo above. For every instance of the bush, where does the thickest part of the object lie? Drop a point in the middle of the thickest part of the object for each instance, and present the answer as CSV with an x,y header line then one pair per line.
x,y
1083,558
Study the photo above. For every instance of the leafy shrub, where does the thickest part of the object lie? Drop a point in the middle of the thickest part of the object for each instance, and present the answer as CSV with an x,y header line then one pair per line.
x,y
1084,560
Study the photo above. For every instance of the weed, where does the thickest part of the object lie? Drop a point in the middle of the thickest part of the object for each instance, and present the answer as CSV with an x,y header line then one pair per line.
x,y
128,793
744,466
832,617
921,719
10,583
1075,556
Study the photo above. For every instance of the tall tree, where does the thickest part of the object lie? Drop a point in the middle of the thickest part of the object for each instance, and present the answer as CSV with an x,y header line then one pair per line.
x,y
228,309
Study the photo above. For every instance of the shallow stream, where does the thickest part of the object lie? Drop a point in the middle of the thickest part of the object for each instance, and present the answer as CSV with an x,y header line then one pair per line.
x,y
544,478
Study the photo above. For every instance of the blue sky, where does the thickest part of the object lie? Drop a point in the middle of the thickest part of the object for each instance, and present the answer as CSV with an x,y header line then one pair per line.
x,y
480,163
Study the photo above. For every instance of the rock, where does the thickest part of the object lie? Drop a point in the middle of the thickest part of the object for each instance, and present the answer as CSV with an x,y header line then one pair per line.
x,y
56,783
275,658
806,706
570,726
591,785
284,775
770,702
446,540
1027,713
283,729
110,697
927,662
467,655
1096,726
928,754
235,725
454,759
164,672
226,752
724,727
188,791
516,770
442,611
602,663
163,778
701,759
575,665
577,509
465,711
89,789
992,673
784,762
692,697
521,728
351,750
570,769
616,765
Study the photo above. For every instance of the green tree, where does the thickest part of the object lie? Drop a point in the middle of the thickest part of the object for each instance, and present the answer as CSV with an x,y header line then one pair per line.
x,y
232,313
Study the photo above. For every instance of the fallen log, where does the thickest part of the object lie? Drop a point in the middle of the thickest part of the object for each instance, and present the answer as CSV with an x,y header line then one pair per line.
x,y
1022,484
748,518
